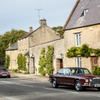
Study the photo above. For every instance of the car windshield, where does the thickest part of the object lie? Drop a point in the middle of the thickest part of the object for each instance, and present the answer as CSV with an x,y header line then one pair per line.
x,y
3,69
80,71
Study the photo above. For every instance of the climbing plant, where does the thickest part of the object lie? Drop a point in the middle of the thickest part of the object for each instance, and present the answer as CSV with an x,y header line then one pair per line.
x,y
49,60
7,61
83,51
46,61
42,63
21,61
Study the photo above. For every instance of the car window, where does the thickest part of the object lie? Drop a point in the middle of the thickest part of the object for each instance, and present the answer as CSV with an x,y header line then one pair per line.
x,y
3,69
74,71
61,72
67,71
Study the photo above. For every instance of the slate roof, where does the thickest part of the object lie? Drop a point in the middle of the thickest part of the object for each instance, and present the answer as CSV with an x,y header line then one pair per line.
x,y
91,18
13,47
26,35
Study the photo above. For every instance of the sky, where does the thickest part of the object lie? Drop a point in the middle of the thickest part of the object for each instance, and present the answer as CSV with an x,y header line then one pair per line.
x,y
21,14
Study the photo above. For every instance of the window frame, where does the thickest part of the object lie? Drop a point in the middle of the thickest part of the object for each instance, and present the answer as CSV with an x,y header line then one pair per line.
x,y
78,39
79,62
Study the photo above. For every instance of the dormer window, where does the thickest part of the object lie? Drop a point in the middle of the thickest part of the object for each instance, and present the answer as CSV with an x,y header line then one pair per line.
x,y
84,12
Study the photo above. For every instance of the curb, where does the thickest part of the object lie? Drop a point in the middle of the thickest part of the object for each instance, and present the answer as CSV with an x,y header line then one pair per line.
x,y
30,76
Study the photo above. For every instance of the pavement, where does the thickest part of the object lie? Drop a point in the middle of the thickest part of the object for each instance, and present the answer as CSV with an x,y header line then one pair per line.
x,y
30,76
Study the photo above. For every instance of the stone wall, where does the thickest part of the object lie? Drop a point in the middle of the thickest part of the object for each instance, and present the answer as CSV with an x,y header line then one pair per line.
x,y
36,50
13,58
89,35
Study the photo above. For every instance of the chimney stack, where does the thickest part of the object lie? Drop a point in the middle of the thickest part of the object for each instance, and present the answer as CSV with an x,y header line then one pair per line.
x,y
30,29
43,22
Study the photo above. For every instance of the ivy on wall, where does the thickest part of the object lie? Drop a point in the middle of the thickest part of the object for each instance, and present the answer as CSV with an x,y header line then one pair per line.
x,y
21,61
46,61
7,61
83,51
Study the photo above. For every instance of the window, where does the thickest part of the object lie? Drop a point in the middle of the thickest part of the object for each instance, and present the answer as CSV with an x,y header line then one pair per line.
x,y
77,39
84,12
78,62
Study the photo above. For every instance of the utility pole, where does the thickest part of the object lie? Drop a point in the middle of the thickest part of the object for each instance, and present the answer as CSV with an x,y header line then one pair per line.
x,y
39,14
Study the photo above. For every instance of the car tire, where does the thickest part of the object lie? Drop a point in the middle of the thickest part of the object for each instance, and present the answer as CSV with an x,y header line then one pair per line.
x,y
9,77
54,84
78,86
98,88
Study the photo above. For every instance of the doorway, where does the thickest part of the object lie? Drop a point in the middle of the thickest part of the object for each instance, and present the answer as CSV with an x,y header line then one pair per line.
x,y
33,65
59,64
94,61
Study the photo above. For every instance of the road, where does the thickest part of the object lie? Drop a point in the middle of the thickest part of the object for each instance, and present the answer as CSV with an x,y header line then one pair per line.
x,y
31,89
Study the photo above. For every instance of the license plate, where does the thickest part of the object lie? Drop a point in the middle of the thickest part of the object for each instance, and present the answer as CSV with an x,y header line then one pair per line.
x,y
97,85
4,74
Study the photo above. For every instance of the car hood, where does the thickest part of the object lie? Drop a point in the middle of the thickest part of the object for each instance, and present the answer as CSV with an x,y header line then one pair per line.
x,y
87,76
4,72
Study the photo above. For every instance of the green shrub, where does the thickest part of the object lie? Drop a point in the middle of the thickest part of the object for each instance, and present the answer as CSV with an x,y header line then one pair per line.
x,y
21,61
96,71
72,52
46,62
7,61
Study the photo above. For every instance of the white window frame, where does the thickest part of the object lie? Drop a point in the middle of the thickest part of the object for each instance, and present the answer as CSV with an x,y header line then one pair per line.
x,y
78,39
79,62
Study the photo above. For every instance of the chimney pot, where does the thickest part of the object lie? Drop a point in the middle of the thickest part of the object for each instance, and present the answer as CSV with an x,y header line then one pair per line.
x,y
30,29
43,22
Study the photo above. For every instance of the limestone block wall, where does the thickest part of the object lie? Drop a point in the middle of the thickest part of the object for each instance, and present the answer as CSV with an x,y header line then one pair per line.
x,y
23,45
42,35
13,59
89,35
36,50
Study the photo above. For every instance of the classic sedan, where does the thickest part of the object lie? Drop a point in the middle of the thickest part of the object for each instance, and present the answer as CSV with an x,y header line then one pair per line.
x,y
4,72
79,78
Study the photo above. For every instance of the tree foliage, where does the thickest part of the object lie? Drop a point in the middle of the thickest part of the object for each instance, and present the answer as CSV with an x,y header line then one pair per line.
x,y
12,37
96,70
58,29
7,61
21,61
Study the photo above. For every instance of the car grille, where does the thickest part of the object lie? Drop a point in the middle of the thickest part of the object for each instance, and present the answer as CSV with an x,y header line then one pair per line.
x,y
96,81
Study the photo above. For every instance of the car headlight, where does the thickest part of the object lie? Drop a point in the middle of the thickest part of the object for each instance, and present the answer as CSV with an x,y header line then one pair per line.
x,y
86,80
90,80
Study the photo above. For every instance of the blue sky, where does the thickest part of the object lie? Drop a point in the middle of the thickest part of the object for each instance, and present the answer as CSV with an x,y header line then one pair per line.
x,y
21,14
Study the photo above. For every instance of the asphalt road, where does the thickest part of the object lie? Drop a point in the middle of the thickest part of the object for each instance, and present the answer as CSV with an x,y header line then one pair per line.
x,y
31,89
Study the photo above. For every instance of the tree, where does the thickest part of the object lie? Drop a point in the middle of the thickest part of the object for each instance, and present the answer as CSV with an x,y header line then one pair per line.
x,y
7,61
12,37
58,29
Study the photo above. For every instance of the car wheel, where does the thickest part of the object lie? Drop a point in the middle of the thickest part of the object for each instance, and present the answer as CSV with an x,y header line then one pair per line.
x,y
78,86
54,84
8,76
99,88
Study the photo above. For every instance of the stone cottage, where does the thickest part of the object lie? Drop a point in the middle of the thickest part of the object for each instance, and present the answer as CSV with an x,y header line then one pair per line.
x,y
83,27
33,42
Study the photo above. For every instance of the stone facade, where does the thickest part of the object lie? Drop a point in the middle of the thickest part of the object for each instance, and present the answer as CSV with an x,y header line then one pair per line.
x,y
89,35
33,42
13,58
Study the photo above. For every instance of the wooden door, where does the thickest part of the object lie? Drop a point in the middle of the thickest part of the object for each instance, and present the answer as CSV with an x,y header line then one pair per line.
x,y
94,61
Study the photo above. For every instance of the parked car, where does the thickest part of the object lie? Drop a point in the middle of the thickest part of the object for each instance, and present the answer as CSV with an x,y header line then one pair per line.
x,y
79,78
4,72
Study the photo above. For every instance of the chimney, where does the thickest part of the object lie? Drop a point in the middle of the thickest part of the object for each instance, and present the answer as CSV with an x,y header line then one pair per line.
x,y
43,22
10,44
30,29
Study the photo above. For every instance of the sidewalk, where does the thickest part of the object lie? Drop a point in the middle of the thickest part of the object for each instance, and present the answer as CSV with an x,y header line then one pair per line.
x,y
31,76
